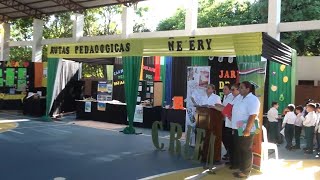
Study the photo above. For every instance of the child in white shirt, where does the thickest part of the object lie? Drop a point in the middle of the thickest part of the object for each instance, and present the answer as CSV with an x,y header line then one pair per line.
x,y
288,123
309,124
298,126
317,128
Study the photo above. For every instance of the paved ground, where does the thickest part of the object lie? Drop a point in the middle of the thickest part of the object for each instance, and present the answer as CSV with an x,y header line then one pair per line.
x,y
85,150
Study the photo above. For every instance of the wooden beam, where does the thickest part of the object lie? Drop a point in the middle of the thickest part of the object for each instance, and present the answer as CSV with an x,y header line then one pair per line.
x,y
299,26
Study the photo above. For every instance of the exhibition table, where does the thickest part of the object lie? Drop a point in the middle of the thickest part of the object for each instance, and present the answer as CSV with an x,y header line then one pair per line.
x,y
117,113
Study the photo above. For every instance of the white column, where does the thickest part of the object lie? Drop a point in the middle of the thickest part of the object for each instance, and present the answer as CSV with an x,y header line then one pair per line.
x,y
4,41
274,15
37,38
127,21
78,23
191,16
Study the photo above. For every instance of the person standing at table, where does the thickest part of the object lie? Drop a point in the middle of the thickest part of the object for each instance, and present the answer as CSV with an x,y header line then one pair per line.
x,y
273,122
244,115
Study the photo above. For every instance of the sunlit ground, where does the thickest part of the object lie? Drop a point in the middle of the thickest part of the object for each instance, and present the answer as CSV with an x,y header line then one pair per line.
x,y
280,169
6,126
306,169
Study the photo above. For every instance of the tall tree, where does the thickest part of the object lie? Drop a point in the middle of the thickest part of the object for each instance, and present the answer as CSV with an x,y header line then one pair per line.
x,y
232,12
140,20
21,30
176,22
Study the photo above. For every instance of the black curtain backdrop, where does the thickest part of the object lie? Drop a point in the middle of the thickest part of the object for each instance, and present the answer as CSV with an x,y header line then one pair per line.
x,y
223,70
148,68
179,76
118,89
65,101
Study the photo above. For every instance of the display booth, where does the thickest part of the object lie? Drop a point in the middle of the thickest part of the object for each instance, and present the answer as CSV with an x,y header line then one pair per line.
x,y
259,59
23,86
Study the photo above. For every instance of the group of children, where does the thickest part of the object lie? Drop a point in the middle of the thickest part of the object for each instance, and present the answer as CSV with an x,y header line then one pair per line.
x,y
295,119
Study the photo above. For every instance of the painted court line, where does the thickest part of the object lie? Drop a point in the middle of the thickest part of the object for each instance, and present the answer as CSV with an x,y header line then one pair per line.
x,y
168,173
15,131
10,121
60,130
31,127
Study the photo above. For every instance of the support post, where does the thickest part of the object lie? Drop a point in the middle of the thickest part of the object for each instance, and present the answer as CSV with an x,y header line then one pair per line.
x,y
78,23
4,41
191,16
274,18
37,38
127,21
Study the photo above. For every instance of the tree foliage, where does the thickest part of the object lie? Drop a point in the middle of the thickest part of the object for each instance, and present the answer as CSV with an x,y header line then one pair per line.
x,y
140,20
232,12
176,22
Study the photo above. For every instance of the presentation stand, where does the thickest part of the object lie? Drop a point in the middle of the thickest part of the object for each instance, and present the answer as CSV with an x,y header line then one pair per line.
x,y
210,120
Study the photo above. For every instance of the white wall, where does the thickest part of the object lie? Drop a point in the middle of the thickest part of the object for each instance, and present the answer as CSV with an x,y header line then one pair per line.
x,y
308,68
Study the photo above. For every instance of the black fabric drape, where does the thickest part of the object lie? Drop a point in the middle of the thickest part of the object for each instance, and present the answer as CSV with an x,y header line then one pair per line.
x,y
66,98
148,68
118,77
219,68
275,51
179,76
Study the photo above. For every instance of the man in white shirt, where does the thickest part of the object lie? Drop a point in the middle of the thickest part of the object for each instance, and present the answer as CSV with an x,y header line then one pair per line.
x,y
273,122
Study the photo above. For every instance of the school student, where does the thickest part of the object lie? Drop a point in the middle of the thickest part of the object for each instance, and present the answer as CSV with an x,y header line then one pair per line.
x,y
288,124
317,129
298,126
309,124
273,117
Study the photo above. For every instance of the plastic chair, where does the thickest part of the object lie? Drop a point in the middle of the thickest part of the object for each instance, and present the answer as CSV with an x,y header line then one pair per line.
x,y
265,146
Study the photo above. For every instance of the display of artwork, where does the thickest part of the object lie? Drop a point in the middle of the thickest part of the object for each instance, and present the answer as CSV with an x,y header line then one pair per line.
x,y
104,90
87,107
10,76
198,77
145,92
101,106
22,73
22,85
138,114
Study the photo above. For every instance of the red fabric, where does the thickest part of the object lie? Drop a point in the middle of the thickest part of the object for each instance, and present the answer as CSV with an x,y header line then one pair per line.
x,y
38,74
157,67
227,111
